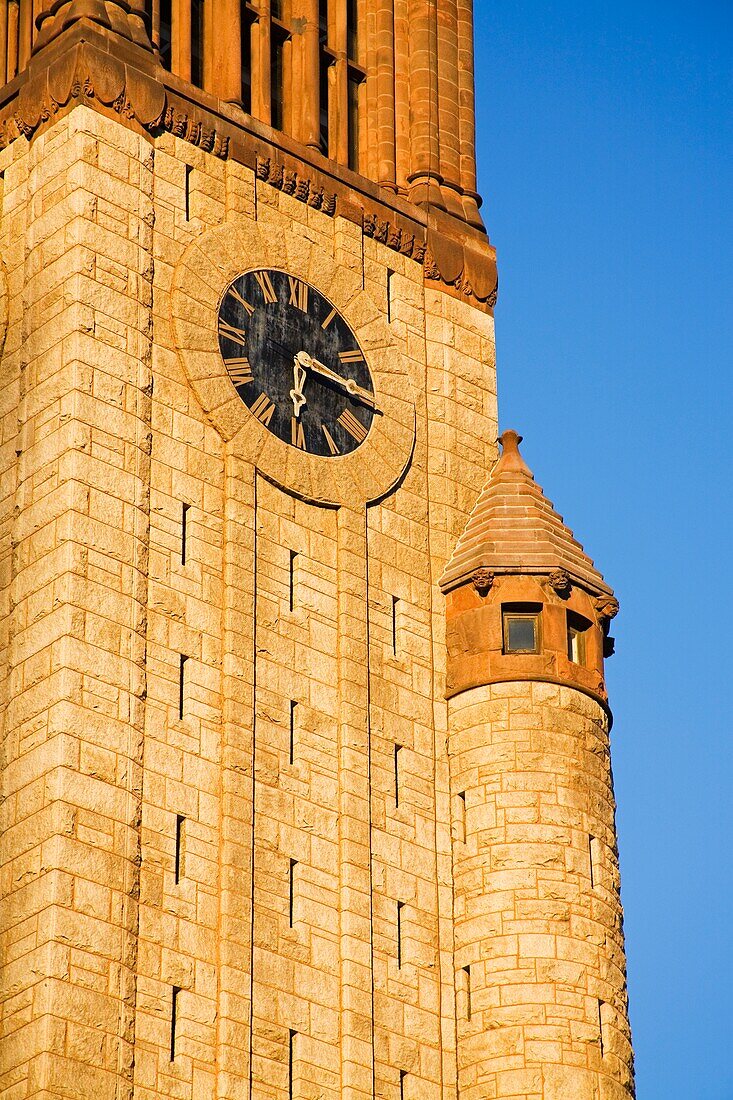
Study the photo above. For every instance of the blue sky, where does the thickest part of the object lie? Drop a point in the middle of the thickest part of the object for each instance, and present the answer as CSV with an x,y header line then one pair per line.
x,y
604,143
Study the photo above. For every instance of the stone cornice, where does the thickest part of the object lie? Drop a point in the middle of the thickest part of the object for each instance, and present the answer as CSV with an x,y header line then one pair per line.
x,y
85,64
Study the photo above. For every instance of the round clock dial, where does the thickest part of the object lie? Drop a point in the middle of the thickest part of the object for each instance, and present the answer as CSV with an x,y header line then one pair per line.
x,y
295,363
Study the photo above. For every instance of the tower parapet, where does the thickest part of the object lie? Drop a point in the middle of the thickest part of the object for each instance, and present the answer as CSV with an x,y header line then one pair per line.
x,y
538,921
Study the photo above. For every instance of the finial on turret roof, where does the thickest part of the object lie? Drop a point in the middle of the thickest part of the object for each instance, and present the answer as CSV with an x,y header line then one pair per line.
x,y
510,458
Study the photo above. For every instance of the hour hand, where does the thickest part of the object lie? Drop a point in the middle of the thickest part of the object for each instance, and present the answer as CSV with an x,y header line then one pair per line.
x,y
296,394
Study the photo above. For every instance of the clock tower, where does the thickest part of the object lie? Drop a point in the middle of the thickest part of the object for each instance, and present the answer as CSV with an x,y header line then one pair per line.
x,y
305,774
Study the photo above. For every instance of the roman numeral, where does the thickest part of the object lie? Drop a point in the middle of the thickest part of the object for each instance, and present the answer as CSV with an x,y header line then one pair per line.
x,y
353,356
298,294
239,370
354,427
297,434
263,408
242,301
329,439
328,319
231,332
265,283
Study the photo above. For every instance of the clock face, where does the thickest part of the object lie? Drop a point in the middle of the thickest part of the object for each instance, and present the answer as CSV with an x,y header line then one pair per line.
x,y
295,363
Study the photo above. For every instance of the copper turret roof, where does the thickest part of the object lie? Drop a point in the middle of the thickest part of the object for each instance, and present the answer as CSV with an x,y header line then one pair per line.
x,y
514,529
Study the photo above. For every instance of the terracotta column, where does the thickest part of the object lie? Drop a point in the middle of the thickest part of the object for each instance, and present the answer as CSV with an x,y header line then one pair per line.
x,y
181,38
225,46
341,89
310,111
467,115
12,59
385,80
424,178
261,90
448,109
3,40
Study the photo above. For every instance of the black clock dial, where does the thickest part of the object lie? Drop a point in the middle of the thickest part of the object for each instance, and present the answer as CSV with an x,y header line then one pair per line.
x,y
324,402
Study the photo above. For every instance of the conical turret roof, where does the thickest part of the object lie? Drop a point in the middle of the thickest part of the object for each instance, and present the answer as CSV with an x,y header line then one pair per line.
x,y
514,529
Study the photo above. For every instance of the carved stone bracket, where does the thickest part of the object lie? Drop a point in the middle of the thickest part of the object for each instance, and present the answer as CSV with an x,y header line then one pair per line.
x,y
559,581
180,124
394,237
482,579
295,184
606,609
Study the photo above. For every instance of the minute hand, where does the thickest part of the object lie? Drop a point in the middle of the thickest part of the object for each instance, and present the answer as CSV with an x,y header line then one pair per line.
x,y
348,384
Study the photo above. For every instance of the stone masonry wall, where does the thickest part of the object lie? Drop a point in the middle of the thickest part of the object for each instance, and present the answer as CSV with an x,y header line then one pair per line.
x,y
110,789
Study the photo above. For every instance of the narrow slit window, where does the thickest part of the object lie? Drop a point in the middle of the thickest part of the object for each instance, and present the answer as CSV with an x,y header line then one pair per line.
x,y
397,751
521,624
184,507
293,720
277,98
291,892
403,1078
467,986
291,590
594,860
325,65
182,686
292,1035
390,273
400,907
601,1037
353,104
246,59
395,605
166,23
197,43
352,29
180,860
174,1013
461,815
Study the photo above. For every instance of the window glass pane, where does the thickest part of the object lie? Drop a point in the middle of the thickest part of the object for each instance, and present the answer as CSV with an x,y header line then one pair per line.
x,y
521,633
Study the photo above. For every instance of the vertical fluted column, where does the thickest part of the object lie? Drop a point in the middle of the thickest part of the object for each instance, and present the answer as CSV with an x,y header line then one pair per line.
x,y
226,50
385,81
402,92
467,113
424,178
448,107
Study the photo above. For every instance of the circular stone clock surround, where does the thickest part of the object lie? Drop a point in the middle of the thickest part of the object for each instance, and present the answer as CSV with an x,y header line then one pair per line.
x,y
211,264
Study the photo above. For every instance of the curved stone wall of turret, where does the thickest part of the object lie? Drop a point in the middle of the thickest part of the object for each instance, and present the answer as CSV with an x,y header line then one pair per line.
x,y
539,953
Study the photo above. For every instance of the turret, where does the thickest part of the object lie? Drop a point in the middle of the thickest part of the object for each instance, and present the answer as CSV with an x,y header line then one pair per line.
x,y
539,960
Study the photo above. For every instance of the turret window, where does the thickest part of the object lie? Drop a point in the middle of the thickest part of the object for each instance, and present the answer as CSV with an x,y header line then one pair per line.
x,y
521,628
576,634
